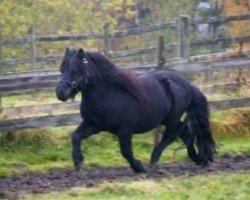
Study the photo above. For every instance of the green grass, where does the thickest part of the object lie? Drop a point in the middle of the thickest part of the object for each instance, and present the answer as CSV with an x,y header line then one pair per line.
x,y
43,149
50,148
228,186
31,98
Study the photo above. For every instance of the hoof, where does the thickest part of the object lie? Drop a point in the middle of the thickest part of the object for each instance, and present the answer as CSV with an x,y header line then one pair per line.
x,y
141,170
204,164
78,167
197,162
138,167
152,165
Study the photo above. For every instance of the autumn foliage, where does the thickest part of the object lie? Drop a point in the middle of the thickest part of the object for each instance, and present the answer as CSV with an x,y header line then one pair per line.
x,y
237,28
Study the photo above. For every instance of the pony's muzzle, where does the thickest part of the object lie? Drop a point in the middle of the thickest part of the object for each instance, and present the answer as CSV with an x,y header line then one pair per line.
x,y
60,94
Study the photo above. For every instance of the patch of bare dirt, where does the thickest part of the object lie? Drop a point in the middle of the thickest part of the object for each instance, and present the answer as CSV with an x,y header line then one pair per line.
x,y
62,179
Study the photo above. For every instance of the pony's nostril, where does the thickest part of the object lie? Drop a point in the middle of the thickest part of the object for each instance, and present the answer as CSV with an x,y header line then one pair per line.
x,y
59,92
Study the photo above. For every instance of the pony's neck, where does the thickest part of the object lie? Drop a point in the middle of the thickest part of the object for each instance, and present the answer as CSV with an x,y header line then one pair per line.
x,y
95,87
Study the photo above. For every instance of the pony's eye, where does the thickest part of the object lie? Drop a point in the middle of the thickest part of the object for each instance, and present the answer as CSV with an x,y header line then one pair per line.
x,y
74,84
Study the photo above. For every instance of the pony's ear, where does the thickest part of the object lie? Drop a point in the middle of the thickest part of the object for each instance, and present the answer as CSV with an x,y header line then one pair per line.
x,y
81,54
66,51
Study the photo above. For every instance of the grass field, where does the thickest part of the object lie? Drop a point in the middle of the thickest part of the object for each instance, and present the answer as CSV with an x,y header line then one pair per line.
x,y
221,186
100,151
44,149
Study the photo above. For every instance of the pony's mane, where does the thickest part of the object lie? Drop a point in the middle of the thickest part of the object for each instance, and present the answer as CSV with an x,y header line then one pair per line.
x,y
68,55
113,74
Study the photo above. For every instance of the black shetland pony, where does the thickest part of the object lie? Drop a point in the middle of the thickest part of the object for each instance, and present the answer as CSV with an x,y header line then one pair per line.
x,y
115,100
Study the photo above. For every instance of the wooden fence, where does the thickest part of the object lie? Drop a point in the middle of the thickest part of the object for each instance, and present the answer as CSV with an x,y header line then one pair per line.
x,y
180,47
126,32
42,80
16,118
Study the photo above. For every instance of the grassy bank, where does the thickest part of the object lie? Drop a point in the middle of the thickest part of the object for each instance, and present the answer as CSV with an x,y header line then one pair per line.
x,y
43,149
220,186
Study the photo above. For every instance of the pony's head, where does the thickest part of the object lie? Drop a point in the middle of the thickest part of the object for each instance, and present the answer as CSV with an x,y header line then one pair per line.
x,y
74,74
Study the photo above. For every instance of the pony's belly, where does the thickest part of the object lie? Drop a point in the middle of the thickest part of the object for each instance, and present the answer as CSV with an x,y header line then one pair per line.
x,y
147,126
150,120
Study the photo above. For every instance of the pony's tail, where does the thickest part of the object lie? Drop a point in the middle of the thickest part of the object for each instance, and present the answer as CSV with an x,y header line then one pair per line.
x,y
198,115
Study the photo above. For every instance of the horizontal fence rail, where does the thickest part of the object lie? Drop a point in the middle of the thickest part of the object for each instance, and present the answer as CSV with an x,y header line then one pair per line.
x,y
37,80
145,29
134,52
221,19
53,38
23,111
75,119
221,41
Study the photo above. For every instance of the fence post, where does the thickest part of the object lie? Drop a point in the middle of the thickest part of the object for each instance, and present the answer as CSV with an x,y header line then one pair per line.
x,y
0,61
0,43
32,42
1,107
161,59
0,46
160,65
106,38
183,44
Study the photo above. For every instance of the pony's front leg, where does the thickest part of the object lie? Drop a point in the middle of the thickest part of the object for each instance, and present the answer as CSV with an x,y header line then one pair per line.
x,y
125,142
83,131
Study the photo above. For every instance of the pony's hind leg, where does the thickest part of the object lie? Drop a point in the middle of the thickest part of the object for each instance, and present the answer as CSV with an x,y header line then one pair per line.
x,y
189,140
168,137
125,142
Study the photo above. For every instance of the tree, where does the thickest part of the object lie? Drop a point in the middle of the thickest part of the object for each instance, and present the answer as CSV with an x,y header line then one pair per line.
x,y
236,7
59,17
